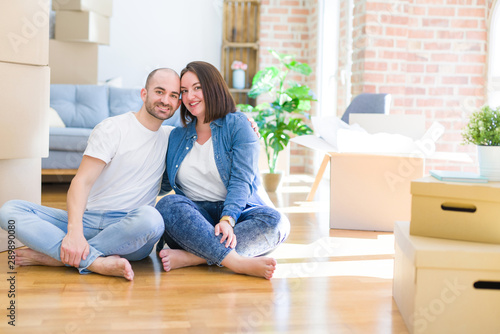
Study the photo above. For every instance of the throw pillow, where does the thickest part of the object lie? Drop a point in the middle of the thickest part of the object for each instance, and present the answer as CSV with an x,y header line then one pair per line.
x,y
55,120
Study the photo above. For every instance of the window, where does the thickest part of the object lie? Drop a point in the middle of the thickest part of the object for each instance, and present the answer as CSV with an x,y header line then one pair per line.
x,y
494,55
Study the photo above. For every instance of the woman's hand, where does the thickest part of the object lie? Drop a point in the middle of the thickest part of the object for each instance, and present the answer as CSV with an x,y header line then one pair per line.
x,y
227,233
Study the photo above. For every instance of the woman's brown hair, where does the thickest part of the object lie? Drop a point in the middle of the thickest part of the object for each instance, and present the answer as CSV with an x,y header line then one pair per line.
x,y
216,95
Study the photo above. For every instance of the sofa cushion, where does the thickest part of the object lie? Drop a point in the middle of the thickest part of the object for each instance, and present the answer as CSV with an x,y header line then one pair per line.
x,y
62,160
80,106
68,139
122,100
55,120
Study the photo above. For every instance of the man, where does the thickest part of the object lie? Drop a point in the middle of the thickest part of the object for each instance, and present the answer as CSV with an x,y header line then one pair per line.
x,y
110,218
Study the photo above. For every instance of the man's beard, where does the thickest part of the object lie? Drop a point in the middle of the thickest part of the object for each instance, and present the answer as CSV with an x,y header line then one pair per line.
x,y
150,108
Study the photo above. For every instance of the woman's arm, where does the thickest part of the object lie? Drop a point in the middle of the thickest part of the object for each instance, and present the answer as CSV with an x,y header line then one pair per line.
x,y
165,183
244,166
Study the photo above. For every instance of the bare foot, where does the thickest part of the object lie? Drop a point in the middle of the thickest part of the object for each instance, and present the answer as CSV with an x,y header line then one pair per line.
x,y
178,258
253,266
29,257
112,266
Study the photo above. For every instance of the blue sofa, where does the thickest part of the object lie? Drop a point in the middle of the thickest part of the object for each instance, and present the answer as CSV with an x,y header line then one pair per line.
x,y
81,108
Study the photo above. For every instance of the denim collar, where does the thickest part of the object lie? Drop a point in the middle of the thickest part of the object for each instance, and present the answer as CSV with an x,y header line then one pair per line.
x,y
191,127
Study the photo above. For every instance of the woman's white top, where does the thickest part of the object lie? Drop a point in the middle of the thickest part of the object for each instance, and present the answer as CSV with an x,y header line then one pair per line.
x,y
198,176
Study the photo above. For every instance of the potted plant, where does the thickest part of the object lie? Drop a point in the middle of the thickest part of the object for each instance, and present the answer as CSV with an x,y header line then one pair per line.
x,y
284,116
483,130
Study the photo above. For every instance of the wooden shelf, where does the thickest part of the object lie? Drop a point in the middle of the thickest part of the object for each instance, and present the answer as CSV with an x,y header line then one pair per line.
x,y
59,171
234,90
240,45
240,41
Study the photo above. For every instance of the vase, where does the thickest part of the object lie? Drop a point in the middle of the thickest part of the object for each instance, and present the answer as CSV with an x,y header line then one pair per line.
x,y
489,162
238,79
271,181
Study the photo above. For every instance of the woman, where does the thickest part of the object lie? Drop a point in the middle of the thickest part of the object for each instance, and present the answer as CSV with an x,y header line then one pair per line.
x,y
216,216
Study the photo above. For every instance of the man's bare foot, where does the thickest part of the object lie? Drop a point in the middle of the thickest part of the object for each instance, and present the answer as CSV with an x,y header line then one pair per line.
x,y
178,258
30,257
253,266
112,266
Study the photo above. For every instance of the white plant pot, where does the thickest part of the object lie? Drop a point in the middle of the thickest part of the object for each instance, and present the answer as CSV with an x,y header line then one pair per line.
x,y
238,79
489,162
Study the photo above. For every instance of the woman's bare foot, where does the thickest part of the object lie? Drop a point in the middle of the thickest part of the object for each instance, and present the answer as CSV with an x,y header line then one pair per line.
x,y
30,257
112,266
178,258
253,266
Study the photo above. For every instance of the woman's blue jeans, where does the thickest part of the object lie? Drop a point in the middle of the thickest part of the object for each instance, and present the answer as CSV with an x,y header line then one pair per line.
x,y
132,235
190,226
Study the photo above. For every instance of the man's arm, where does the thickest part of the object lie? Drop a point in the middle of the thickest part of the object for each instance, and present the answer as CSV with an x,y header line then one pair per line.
x,y
74,246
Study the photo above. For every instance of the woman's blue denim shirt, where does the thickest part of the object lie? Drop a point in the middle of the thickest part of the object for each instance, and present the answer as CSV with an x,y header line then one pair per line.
x,y
236,150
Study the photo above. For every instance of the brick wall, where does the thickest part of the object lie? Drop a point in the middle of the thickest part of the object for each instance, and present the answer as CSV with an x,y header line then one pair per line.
x,y
291,26
430,55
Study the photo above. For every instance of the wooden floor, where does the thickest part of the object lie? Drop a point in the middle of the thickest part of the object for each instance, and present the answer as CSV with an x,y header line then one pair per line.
x,y
327,281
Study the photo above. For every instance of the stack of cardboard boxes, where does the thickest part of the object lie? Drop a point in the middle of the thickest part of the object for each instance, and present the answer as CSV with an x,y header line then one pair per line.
x,y
447,258
80,27
24,89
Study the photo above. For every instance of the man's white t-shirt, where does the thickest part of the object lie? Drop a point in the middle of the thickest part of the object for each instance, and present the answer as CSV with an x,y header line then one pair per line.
x,y
135,162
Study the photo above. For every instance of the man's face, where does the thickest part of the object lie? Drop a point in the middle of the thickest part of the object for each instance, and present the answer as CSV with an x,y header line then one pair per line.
x,y
161,98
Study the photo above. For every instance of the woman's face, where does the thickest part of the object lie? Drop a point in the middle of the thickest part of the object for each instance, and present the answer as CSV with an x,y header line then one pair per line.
x,y
192,95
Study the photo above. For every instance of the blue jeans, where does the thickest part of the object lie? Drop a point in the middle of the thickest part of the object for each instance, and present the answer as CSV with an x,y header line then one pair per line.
x,y
190,226
132,235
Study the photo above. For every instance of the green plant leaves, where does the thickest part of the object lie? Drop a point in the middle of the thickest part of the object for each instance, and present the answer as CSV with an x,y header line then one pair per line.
x,y
282,57
289,62
264,81
299,67
275,121
300,92
483,127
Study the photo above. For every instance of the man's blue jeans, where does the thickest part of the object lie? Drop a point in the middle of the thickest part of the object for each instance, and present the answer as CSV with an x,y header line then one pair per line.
x,y
190,226
132,235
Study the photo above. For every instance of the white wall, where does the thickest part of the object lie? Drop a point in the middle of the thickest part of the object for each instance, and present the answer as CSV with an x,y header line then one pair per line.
x,y
148,34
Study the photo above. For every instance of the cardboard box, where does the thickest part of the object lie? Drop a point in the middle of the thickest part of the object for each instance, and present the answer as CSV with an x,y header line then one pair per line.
x,y
74,26
25,32
20,179
102,7
446,286
455,210
73,63
371,190
24,111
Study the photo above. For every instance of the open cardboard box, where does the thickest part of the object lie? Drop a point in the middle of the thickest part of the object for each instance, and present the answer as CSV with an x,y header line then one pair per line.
x,y
370,190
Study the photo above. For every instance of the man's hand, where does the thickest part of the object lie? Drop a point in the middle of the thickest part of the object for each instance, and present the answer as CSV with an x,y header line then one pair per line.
x,y
254,125
227,233
74,248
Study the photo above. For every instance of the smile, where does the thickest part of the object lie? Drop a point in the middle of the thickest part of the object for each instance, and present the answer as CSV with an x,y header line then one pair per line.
x,y
164,109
